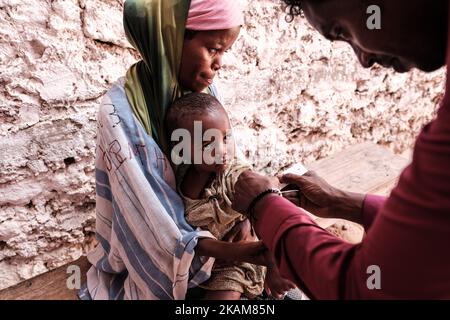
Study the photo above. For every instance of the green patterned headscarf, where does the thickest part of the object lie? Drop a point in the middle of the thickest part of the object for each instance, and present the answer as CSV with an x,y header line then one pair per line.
x,y
156,29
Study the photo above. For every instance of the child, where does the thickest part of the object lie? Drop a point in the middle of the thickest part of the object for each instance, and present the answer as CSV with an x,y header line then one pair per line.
x,y
206,188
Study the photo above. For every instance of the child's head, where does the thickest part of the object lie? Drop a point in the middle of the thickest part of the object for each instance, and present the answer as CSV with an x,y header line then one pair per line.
x,y
199,130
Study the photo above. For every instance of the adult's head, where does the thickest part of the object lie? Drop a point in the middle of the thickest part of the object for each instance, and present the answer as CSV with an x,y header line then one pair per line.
x,y
413,33
211,29
181,43
202,56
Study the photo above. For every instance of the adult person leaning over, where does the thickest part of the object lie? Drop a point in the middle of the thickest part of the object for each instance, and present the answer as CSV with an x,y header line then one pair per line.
x,y
408,233
146,247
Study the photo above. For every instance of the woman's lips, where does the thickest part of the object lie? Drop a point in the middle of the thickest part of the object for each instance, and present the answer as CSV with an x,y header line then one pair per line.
x,y
206,77
205,81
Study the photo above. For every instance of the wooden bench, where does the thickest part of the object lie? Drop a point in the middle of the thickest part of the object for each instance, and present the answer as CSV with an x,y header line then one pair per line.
x,y
51,285
366,168
363,168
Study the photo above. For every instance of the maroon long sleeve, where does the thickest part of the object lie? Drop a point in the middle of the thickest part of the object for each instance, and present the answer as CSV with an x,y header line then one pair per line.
x,y
408,234
372,204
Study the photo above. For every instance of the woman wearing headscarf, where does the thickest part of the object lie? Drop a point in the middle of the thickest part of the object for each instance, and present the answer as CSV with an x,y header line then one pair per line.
x,y
146,247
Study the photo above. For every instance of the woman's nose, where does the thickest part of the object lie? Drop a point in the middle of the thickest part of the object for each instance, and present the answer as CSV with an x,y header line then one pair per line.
x,y
367,60
217,64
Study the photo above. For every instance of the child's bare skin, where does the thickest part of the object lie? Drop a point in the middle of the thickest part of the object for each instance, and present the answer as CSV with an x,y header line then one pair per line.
x,y
198,177
195,181
275,285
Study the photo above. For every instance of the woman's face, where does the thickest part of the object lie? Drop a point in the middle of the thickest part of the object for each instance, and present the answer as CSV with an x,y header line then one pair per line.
x,y
202,57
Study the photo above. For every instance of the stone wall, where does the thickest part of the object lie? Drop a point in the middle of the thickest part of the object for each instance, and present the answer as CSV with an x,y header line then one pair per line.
x,y
292,96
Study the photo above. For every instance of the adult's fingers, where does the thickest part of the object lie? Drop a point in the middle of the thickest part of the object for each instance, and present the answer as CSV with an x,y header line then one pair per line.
x,y
296,179
294,198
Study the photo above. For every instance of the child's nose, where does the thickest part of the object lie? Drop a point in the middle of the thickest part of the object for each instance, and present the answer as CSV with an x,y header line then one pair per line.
x,y
221,152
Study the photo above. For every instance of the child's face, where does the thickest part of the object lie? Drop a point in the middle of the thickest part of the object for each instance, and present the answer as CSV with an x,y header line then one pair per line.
x,y
202,57
216,147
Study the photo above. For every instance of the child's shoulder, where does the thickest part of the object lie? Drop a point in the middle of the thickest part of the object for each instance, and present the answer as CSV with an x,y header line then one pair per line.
x,y
231,175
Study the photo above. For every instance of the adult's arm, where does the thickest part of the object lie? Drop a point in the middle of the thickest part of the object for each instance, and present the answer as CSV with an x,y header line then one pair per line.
x,y
306,254
326,201
371,205
404,254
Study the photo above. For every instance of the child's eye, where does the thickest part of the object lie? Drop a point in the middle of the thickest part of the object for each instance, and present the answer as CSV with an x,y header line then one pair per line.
x,y
213,50
208,146
227,136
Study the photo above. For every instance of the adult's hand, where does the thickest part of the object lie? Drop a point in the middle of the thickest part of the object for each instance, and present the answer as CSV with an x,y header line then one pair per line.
x,y
323,200
249,185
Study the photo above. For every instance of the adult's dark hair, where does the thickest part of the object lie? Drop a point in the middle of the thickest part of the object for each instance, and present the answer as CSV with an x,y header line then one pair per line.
x,y
293,9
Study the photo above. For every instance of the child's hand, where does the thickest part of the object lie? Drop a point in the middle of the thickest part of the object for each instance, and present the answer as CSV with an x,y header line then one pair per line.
x,y
275,285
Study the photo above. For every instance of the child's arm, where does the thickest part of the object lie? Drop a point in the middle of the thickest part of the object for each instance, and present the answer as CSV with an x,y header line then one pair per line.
x,y
244,251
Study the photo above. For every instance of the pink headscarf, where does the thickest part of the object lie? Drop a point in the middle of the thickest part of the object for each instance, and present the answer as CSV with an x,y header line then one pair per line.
x,y
214,15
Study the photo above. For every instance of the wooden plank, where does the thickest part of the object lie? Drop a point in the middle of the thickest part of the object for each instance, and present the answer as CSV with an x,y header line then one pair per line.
x,y
362,168
48,286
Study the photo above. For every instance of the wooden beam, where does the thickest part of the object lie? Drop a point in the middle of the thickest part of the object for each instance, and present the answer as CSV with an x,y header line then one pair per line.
x,y
48,286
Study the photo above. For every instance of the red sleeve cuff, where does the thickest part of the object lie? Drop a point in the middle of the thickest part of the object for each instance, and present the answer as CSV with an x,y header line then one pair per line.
x,y
276,216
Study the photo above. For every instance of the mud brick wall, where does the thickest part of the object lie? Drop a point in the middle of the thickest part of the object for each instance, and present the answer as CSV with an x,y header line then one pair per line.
x,y
292,96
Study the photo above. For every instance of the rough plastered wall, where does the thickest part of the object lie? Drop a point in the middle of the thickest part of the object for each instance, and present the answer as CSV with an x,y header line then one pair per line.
x,y
292,96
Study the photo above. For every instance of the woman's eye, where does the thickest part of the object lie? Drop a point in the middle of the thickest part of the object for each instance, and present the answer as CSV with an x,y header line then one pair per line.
x,y
213,50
